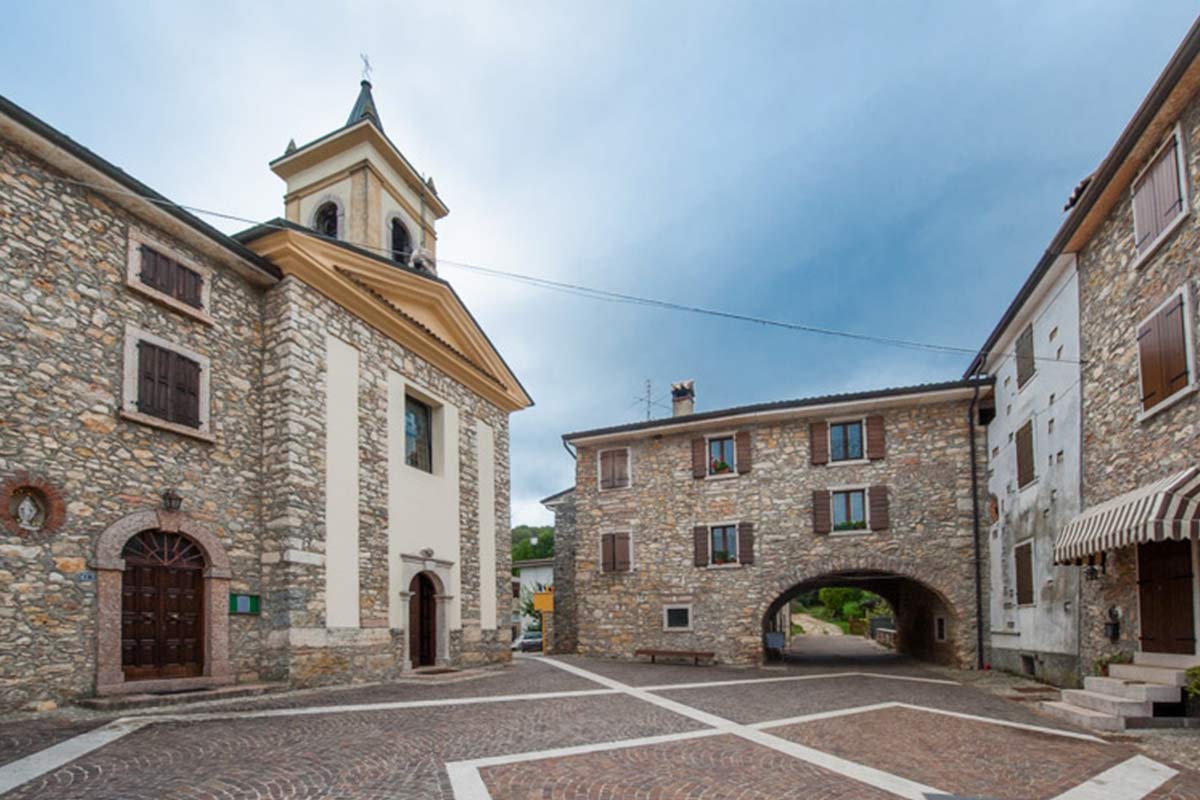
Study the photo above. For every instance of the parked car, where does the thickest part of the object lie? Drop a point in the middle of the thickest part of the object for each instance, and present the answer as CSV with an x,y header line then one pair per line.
x,y
529,641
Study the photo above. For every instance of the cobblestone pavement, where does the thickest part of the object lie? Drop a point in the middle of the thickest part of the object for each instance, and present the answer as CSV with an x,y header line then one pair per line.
x,y
606,730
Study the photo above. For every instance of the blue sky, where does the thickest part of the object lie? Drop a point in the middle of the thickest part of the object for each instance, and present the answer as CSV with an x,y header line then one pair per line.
x,y
887,168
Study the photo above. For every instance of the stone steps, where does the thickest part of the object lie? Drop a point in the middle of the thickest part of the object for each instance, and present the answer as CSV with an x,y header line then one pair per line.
x,y
1165,676
1083,717
1108,704
1133,690
123,702
1168,660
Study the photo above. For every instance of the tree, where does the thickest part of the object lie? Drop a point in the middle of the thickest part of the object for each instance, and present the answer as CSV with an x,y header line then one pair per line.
x,y
523,549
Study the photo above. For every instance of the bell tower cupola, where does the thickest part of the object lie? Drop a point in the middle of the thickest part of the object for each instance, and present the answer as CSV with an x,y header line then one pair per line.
x,y
356,186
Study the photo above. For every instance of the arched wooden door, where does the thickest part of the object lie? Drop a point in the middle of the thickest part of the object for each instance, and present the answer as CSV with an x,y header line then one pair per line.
x,y
422,621
162,603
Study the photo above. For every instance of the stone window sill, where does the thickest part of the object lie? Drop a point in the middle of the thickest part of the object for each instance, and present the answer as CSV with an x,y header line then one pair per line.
x,y
734,565
155,422
721,476
170,302
848,462
1183,393
857,532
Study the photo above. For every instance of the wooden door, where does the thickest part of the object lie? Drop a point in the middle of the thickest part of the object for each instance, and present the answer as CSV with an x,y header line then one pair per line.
x,y
162,600
422,622
1165,594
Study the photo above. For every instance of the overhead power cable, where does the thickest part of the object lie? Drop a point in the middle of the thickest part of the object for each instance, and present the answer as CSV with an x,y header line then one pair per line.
x,y
592,293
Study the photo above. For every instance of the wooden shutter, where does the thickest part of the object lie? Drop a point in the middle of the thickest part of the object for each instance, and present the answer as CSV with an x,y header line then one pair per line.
x,y
822,513
189,286
877,497
185,408
1025,468
1171,336
700,546
876,438
1023,556
608,552
621,552
1150,360
744,457
620,468
818,442
699,458
745,533
1156,197
1026,365
154,378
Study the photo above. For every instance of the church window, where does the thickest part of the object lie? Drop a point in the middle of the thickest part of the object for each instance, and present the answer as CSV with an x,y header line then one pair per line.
x,y
326,220
401,242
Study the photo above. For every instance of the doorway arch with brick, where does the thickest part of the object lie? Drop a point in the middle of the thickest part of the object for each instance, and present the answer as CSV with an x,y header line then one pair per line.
x,y
132,556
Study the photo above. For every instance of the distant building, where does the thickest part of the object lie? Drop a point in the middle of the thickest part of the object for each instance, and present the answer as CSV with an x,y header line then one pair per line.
x,y
530,576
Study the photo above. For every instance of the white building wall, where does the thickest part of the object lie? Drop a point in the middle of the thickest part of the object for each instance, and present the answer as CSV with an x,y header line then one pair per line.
x,y
1047,629
422,506
341,484
533,579
486,439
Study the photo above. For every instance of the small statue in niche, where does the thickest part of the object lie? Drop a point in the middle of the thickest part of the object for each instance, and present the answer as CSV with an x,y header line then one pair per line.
x,y
29,513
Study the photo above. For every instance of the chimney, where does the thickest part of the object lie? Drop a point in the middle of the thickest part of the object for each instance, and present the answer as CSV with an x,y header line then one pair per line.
x,y
683,398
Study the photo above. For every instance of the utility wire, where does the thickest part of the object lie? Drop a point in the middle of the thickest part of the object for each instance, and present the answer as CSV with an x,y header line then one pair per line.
x,y
590,292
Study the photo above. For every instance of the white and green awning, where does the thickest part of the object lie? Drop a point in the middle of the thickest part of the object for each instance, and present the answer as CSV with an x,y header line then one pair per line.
x,y
1166,509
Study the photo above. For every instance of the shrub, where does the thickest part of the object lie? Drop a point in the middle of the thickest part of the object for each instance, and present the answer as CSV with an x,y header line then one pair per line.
x,y
1192,687
836,597
852,610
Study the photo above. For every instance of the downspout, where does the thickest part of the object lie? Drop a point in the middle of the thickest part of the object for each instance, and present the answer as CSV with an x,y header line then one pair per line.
x,y
570,452
975,537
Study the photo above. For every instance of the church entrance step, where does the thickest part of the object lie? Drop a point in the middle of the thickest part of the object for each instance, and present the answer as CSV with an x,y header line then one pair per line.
x,y
129,701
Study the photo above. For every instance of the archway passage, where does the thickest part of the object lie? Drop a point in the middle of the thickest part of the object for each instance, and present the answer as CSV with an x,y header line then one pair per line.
x,y
923,624
162,607
422,621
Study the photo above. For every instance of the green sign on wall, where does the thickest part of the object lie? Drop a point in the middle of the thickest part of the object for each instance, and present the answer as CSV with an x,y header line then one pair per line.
x,y
243,604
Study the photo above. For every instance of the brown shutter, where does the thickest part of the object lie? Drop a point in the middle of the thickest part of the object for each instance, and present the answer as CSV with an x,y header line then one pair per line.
x,y
877,496
744,456
818,442
876,438
147,377
745,534
700,546
621,557
1023,556
1150,361
1025,467
822,516
1156,197
189,284
1026,365
699,458
1173,347
620,469
607,552
185,407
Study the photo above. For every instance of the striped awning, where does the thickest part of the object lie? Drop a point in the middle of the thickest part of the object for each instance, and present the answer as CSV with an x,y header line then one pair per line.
x,y
1166,509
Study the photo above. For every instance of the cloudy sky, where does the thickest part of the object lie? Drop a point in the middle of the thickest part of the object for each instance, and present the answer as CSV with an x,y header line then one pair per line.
x,y
887,168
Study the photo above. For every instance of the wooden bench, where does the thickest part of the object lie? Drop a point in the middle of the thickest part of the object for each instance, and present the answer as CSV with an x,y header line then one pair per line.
x,y
695,655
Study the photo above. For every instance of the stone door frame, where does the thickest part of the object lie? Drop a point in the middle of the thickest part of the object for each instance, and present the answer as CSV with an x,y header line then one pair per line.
x,y
438,571
110,569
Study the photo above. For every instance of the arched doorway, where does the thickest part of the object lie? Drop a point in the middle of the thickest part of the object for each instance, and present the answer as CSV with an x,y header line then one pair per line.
x,y
422,621
162,607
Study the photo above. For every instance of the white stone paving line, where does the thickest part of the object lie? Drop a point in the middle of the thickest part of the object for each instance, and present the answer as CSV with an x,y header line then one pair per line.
x,y
1134,778
26,769
668,687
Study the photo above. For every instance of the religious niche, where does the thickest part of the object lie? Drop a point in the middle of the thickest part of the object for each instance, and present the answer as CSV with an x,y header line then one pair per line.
x,y
31,506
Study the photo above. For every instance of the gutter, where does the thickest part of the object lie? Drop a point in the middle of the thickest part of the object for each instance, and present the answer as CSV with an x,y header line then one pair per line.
x,y
975,531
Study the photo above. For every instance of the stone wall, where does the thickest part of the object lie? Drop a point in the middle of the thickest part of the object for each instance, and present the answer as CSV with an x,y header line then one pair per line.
x,y
64,305
929,539
1121,453
565,623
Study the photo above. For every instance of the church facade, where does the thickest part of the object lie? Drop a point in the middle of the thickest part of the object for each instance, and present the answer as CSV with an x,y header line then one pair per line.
x,y
281,455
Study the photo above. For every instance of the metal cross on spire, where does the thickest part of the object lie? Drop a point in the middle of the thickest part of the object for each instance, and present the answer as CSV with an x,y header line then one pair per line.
x,y
366,70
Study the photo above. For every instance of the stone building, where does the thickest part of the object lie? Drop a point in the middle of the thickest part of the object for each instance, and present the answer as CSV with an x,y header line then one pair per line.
x,y
1034,462
562,505
276,456
693,532
1133,237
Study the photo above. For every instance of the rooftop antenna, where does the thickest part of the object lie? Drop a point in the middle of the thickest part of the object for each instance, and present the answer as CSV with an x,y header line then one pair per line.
x,y
366,68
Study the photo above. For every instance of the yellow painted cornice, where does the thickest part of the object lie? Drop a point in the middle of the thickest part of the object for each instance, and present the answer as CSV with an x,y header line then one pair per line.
x,y
384,183
420,313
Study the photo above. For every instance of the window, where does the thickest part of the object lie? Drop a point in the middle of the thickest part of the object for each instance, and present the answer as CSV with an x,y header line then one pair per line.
x,y
171,278
615,552
1158,198
721,458
516,589
614,468
677,618
1164,349
401,242
846,441
1025,466
325,221
724,545
849,510
1026,365
165,385
418,434
1023,556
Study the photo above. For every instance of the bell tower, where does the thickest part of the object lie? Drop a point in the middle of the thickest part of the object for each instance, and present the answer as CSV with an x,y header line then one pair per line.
x,y
356,186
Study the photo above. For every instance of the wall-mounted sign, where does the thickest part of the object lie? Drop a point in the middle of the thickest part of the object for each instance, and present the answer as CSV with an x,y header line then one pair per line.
x,y
243,604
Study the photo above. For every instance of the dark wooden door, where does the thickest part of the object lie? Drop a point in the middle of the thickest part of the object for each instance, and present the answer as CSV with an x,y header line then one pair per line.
x,y
1165,594
422,622
162,617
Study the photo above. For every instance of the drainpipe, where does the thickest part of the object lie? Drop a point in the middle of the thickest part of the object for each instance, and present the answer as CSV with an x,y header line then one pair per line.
x,y
570,452
975,528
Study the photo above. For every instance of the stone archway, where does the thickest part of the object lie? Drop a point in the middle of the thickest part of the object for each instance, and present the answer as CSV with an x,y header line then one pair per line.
x,y
438,571
110,567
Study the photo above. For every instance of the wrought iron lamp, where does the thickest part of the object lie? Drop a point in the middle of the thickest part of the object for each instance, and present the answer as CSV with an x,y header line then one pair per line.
x,y
172,500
